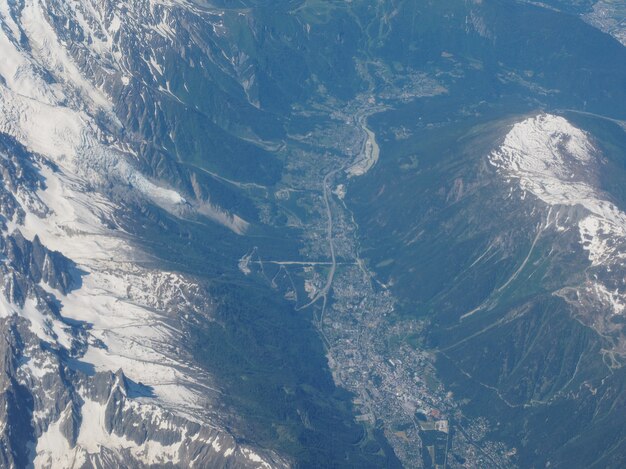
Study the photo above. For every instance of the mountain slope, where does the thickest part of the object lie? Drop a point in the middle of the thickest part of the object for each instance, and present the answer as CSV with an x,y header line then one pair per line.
x,y
95,355
515,268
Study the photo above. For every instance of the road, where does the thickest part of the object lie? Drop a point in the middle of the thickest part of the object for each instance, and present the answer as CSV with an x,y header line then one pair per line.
x,y
363,163
323,293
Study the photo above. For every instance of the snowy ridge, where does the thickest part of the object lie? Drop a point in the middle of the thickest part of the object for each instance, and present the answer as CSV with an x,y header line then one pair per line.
x,y
134,318
136,337
97,336
99,353
557,163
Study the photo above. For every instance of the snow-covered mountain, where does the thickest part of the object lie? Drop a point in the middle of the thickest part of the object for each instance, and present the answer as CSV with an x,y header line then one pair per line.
x,y
94,368
551,160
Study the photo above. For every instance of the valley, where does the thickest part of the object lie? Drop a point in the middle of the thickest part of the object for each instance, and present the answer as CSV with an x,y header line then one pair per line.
x,y
381,360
